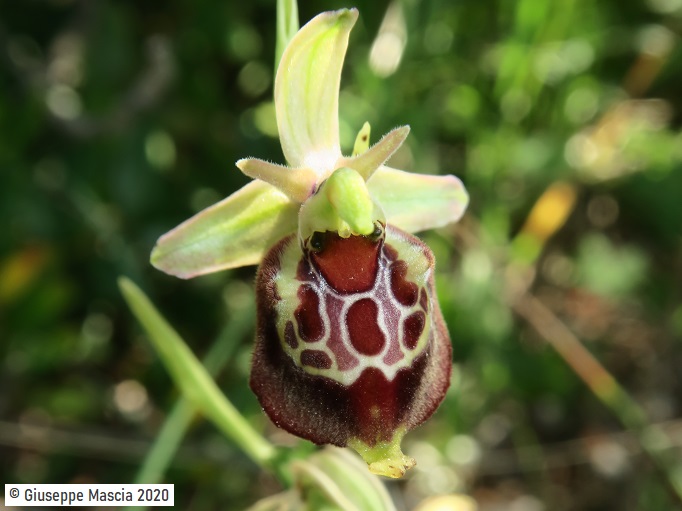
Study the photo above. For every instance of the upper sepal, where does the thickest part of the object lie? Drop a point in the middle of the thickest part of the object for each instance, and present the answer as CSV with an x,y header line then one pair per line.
x,y
307,91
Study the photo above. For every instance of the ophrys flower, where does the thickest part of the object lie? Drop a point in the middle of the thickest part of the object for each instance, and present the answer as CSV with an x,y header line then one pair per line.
x,y
351,344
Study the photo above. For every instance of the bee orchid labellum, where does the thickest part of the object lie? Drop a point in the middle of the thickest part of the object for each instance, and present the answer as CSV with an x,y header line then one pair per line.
x,y
351,346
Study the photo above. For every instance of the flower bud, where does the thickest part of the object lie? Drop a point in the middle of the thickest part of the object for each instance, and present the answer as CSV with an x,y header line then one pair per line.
x,y
330,479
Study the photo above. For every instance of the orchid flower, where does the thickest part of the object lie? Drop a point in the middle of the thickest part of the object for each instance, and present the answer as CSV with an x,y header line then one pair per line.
x,y
351,347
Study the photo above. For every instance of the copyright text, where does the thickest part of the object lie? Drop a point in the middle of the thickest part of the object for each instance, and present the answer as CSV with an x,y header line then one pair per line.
x,y
59,495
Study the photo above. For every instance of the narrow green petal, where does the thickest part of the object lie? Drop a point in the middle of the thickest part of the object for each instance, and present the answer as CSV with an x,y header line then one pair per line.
x,y
297,184
369,161
234,232
415,202
307,91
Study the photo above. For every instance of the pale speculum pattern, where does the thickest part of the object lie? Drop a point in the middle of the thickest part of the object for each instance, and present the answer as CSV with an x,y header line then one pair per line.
x,y
359,303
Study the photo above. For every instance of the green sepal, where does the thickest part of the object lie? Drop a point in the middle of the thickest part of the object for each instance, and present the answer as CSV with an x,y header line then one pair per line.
x,y
416,202
234,232
307,91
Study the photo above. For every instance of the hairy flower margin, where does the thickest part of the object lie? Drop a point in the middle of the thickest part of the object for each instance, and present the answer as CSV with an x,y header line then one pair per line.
x,y
320,229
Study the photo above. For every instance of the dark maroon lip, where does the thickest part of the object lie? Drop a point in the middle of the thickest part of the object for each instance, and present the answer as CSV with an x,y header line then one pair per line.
x,y
295,392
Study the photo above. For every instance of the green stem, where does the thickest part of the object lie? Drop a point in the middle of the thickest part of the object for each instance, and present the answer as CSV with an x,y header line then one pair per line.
x,y
194,381
287,26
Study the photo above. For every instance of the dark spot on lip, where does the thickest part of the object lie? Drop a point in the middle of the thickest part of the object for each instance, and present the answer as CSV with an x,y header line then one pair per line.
x,y
363,327
414,326
406,292
316,358
310,324
290,335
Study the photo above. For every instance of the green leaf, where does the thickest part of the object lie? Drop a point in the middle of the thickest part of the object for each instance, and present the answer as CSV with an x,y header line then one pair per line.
x,y
193,380
307,91
170,436
415,202
234,232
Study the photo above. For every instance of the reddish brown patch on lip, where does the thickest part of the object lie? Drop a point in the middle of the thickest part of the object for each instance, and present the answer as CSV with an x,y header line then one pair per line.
x,y
380,405
364,331
413,328
310,325
315,358
290,335
349,265
405,292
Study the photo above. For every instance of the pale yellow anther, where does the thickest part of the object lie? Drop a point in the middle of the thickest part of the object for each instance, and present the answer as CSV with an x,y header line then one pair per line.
x,y
362,140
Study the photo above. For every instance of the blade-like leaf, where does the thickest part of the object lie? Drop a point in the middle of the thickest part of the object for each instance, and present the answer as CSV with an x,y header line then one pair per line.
x,y
307,91
415,202
193,380
234,232
170,436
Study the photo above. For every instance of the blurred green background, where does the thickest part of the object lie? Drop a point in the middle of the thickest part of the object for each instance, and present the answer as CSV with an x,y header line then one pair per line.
x,y
120,119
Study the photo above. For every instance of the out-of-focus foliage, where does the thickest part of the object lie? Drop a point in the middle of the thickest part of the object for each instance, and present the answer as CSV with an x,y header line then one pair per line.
x,y
120,119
